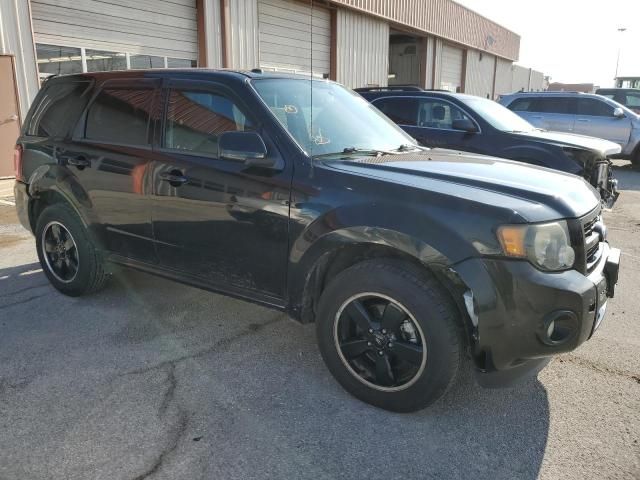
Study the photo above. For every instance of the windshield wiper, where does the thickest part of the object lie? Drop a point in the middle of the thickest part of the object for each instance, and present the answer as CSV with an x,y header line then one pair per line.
x,y
354,150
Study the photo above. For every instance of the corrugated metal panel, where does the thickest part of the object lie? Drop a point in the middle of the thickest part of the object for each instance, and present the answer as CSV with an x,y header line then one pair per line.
x,y
520,78
537,81
16,39
362,50
213,32
429,62
244,34
404,63
446,19
293,35
504,77
479,79
451,76
154,27
437,66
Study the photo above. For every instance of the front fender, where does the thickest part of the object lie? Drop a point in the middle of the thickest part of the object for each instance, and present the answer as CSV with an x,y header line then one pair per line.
x,y
546,155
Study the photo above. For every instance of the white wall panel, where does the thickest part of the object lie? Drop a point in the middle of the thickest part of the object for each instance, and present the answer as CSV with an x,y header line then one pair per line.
x,y
212,32
451,76
521,78
537,81
243,25
16,39
479,75
362,49
294,37
429,62
504,77
153,27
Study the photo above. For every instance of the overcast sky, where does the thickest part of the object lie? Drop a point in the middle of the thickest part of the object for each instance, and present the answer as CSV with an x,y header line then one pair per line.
x,y
571,40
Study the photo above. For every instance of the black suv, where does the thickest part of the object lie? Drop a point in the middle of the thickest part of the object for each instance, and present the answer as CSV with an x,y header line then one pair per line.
x,y
629,97
408,260
475,124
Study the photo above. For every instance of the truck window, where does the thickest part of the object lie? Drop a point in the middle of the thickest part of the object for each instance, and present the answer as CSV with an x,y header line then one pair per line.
x,y
120,115
403,111
196,119
58,109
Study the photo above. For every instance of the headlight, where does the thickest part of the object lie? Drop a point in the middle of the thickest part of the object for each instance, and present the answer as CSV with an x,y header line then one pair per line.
x,y
547,246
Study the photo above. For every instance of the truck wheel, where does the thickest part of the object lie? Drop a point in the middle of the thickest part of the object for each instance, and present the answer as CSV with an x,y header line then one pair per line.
x,y
390,336
66,253
635,160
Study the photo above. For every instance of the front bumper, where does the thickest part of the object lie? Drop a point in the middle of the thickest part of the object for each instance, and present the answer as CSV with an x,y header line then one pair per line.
x,y
514,304
21,195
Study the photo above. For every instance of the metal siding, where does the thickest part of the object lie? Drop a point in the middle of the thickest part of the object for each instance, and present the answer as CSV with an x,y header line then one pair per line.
x,y
213,32
293,35
16,39
537,81
243,23
504,77
158,27
446,19
437,65
429,62
479,79
520,78
451,70
362,49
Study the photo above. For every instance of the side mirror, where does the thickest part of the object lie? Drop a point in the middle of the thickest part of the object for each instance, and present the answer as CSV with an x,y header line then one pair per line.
x,y
246,147
618,112
465,125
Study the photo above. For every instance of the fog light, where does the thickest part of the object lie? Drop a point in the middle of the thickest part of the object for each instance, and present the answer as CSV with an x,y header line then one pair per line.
x,y
559,327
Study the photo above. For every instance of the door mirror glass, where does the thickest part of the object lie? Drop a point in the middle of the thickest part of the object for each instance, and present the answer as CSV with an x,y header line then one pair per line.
x,y
465,125
247,147
618,112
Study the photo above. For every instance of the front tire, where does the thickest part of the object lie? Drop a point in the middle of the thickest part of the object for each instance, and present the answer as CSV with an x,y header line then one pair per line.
x,y
390,335
66,253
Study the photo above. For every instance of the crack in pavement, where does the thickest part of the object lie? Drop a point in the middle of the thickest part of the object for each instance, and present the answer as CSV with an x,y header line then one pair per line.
x,y
575,359
21,290
26,300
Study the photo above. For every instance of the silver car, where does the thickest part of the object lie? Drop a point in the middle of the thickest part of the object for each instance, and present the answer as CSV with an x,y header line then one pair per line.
x,y
585,114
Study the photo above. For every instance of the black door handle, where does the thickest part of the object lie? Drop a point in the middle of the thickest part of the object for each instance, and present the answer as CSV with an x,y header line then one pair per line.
x,y
79,161
174,177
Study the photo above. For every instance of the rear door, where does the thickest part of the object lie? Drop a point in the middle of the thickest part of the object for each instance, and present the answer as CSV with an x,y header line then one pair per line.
x,y
430,121
556,113
109,156
595,118
221,222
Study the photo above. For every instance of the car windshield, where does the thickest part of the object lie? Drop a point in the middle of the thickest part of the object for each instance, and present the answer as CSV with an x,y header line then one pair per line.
x,y
326,118
498,116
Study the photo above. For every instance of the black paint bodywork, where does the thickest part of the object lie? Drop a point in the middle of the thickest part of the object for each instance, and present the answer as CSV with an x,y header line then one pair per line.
x,y
277,235
547,149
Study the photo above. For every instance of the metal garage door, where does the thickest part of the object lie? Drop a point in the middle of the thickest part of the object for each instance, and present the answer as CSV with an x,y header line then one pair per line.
x,y
293,36
451,77
151,33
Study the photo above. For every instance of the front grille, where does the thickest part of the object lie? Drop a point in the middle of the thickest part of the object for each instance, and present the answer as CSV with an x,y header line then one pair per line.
x,y
592,238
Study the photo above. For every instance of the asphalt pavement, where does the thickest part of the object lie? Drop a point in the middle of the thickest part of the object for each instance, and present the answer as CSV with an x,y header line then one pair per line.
x,y
150,379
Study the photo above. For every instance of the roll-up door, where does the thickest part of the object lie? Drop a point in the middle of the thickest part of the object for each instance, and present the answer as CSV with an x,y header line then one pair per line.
x,y
452,58
294,37
152,33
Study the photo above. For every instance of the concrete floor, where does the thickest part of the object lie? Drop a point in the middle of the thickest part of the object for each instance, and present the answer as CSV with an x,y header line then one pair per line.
x,y
151,379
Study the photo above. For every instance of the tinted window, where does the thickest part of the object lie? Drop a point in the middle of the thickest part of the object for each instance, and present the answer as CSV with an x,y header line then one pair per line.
x,y
120,115
435,113
521,105
58,109
632,100
593,107
562,105
403,111
196,119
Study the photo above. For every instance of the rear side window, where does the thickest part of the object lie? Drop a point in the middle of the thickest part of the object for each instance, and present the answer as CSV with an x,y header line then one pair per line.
x,y
561,105
195,120
120,115
594,108
439,114
58,110
403,111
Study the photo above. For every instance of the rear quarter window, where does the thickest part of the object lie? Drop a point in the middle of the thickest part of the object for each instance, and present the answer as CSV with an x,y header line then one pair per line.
x,y
58,109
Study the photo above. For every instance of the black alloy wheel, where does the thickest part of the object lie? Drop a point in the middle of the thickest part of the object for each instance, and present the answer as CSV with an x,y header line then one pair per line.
x,y
60,252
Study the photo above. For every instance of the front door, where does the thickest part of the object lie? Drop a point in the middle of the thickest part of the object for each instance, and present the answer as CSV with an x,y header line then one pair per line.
x,y
595,118
9,115
216,220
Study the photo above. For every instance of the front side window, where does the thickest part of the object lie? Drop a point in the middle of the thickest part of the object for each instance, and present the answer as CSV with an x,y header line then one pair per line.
x,y
120,115
435,113
521,105
497,116
196,119
632,100
595,108
325,118
58,110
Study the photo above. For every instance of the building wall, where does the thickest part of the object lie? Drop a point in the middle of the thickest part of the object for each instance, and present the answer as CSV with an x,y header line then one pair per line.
x,y
16,38
520,78
479,75
243,34
213,33
537,81
504,77
437,64
362,49
429,56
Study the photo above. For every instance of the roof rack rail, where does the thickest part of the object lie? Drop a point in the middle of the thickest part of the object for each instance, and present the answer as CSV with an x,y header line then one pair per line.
x,y
391,88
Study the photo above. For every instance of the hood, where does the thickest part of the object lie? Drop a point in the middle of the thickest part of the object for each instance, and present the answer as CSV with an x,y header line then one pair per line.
x,y
605,147
534,193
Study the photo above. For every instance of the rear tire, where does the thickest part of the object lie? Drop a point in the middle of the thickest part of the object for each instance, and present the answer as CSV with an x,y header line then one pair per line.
x,y
635,159
66,253
409,364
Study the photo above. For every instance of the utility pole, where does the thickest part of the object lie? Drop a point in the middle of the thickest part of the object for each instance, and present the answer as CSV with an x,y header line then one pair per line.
x,y
621,30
